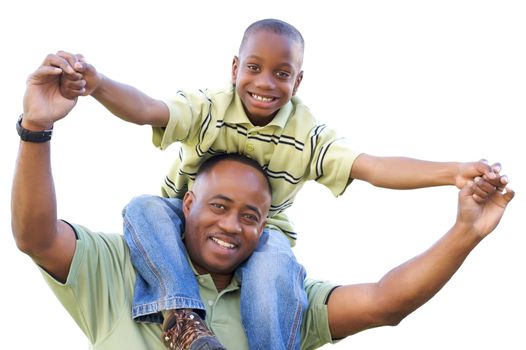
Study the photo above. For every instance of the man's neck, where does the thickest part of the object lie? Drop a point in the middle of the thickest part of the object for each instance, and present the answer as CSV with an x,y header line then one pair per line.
x,y
221,281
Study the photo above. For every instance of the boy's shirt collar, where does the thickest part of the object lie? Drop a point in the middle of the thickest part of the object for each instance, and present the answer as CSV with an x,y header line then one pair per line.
x,y
235,114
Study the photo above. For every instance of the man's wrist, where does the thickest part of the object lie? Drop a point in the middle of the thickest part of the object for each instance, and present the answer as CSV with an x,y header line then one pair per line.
x,y
33,134
467,233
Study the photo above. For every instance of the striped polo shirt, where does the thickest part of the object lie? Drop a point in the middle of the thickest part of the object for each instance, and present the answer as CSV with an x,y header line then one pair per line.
x,y
292,149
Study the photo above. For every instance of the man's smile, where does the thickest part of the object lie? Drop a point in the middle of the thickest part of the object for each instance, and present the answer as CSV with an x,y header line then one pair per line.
x,y
223,244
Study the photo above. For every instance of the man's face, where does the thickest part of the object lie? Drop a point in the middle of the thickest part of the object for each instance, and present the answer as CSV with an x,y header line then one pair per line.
x,y
267,74
225,214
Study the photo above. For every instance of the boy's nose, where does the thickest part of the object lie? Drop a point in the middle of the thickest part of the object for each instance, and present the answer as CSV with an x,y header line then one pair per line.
x,y
265,81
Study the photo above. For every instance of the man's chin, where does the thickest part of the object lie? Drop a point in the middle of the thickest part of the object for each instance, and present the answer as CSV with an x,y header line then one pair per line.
x,y
221,267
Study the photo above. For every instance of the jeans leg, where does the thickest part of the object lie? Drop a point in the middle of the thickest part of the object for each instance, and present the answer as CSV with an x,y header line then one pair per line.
x,y
273,298
152,229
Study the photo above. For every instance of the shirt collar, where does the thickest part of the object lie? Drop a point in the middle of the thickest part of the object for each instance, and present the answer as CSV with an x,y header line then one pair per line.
x,y
206,280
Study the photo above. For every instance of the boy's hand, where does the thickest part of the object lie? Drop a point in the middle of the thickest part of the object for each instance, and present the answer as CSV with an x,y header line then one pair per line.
x,y
469,171
83,82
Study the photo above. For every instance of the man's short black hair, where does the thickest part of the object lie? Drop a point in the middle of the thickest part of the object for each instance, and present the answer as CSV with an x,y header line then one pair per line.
x,y
211,162
275,26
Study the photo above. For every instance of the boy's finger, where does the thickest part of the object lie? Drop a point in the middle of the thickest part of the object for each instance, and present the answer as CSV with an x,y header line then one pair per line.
x,y
70,58
81,58
73,76
496,167
482,188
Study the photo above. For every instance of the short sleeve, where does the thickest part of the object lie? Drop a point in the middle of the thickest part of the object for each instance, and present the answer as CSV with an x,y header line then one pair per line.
x,y
96,290
187,112
315,330
332,159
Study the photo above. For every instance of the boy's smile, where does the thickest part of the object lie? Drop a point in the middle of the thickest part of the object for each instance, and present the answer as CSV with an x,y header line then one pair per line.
x,y
267,74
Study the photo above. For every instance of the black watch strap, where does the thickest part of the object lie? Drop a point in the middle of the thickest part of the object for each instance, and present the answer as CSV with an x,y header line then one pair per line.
x,y
32,136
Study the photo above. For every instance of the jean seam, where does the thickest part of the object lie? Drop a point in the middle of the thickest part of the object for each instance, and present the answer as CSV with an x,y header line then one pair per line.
x,y
149,263
297,313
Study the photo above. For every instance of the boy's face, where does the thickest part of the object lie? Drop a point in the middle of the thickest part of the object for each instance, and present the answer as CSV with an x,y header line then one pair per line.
x,y
267,74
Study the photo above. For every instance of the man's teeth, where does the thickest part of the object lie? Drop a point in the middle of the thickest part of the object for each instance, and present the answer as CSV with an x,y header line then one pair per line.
x,y
223,243
262,99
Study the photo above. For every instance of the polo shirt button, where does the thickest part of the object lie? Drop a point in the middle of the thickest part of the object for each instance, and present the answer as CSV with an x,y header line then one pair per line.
x,y
210,302
250,147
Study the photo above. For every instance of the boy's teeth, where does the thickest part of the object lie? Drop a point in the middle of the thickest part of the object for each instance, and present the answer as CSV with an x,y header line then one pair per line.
x,y
223,243
261,98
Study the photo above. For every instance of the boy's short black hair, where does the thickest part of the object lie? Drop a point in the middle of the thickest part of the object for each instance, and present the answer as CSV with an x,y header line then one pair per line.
x,y
211,162
275,26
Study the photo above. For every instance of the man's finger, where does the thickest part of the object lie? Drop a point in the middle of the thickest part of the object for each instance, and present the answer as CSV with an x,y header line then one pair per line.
x,y
508,195
59,62
42,73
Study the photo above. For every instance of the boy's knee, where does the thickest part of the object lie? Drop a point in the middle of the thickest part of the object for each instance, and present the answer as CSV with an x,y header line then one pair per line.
x,y
139,204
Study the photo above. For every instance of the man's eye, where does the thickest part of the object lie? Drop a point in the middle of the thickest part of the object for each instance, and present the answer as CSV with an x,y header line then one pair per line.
x,y
251,217
217,206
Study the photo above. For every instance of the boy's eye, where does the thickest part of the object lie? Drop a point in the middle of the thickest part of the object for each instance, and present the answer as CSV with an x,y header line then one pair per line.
x,y
253,67
283,75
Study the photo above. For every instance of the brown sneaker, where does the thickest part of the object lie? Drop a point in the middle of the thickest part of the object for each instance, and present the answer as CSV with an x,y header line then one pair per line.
x,y
183,329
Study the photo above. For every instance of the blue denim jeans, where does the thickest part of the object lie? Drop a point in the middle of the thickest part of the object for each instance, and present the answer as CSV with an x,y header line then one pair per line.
x,y
273,298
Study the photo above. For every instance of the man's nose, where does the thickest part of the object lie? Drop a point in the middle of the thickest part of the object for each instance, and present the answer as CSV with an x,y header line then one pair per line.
x,y
230,223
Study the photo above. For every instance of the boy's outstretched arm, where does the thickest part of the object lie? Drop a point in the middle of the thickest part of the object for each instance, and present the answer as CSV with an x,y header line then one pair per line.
x,y
409,173
354,308
124,101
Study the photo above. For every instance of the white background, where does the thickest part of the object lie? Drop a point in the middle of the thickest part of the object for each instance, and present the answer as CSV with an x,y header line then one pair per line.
x,y
434,80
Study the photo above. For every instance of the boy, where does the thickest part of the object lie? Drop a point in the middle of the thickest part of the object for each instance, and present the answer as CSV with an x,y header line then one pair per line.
x,y
259,116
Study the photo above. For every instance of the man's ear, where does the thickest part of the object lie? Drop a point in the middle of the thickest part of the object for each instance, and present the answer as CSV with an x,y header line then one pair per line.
x,y
262,226
297,83
188,201
235,67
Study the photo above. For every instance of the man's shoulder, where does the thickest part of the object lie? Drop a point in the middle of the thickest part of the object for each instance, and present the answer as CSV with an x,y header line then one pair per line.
x,y
95,247
112,240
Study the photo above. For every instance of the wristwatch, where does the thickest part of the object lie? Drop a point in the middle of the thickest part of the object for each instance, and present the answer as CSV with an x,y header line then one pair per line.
x,y
32,136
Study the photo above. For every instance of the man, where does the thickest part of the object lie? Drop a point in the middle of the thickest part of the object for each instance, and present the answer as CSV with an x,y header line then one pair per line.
x,y
225,212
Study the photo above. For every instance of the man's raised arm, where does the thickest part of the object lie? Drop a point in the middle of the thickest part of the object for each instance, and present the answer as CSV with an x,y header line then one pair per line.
x,y
354,308
38,233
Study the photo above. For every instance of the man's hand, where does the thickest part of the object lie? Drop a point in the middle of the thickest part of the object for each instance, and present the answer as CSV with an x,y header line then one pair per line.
x,y
83,82
43,102
481,205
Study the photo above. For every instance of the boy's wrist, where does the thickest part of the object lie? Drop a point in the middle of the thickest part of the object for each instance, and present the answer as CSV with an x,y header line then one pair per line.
x,y
98,87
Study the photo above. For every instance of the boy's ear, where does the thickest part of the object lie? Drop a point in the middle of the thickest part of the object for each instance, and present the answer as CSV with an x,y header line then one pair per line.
x,y
235,67
297,83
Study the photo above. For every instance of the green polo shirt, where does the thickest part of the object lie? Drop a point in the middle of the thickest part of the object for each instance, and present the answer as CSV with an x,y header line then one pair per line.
x,y
292,149
98,295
